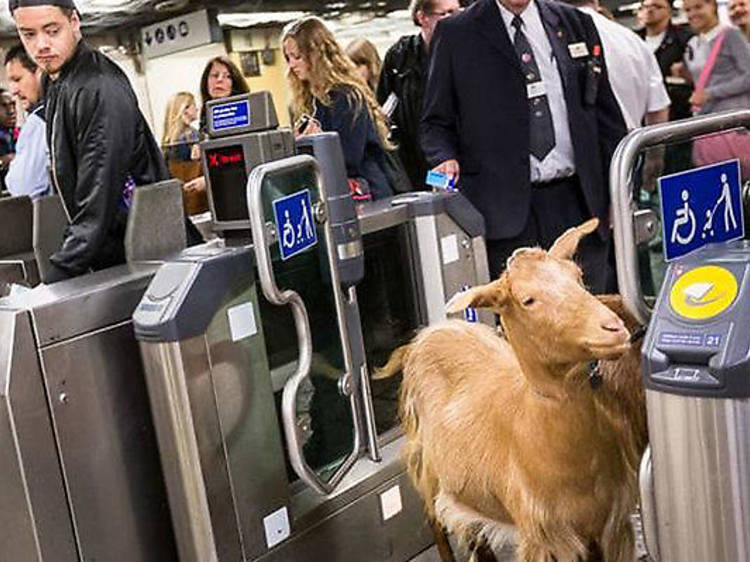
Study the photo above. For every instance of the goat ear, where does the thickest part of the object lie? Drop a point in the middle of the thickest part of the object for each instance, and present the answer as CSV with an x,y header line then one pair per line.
x,y
565,246
492,295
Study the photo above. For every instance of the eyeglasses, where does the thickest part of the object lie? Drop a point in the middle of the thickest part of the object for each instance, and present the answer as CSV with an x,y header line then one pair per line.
x,y
445,13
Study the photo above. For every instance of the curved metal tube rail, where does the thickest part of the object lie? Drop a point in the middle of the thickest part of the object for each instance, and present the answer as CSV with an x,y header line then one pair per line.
x,y
621,190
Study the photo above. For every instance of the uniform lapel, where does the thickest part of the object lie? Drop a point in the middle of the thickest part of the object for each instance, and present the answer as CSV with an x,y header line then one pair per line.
x,y
492,27
558,38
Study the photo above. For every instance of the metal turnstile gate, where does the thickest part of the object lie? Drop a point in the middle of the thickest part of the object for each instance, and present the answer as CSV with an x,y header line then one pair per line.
x,y
239,488
695,475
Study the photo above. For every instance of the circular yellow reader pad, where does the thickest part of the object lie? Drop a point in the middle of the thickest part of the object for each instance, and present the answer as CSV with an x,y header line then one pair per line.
x,y
703,292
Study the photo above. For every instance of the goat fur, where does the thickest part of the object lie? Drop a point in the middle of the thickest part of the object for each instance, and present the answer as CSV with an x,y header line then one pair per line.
x,y
491,449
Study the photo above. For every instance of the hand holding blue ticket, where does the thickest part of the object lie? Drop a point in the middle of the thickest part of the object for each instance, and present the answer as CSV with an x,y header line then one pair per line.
x,y
441,181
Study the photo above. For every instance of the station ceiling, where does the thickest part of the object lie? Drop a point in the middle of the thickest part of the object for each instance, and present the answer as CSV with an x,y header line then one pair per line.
x,y
129,15
101,15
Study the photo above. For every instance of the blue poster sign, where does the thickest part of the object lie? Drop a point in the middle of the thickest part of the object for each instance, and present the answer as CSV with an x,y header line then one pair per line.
x,y
294,223
701,206
230,115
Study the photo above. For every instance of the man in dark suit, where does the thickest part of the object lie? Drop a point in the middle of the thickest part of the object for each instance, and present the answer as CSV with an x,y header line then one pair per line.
x,y
518,105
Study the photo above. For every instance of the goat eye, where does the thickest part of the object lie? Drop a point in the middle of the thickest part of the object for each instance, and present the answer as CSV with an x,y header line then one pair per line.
x,y
528,301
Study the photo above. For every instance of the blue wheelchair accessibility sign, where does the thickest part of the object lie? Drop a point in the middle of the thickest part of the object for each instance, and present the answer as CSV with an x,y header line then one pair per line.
x,y
294,223
701,206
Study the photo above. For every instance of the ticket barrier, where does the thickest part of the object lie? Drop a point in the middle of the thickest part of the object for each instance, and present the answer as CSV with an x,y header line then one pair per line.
x,y
80,476
17,263
32,231
275,444
695,475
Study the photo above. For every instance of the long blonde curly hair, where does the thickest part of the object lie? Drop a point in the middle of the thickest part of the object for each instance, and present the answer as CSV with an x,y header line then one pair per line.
x,y
329,68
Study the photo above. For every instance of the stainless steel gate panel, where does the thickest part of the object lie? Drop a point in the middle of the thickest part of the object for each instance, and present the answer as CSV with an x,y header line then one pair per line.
x,y
357,532
237,437
249,427
210,390
468,265
690,440
450,262
34,519
107,446
84,304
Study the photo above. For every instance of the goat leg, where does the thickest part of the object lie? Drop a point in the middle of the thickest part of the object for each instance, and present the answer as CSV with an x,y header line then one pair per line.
x,y
441,542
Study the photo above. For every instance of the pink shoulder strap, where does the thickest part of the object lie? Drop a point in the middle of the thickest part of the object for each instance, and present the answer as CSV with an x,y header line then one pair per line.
x,y
711,61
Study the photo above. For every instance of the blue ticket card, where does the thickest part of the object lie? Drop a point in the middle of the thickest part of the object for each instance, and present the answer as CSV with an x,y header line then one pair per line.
x,y
439,180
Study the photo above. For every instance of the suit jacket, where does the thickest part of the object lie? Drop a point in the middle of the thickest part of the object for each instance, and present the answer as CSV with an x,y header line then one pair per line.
x,y
476,111
672,50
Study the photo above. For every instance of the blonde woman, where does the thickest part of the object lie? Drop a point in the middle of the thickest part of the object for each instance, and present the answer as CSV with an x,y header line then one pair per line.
x,y
367,60
179,141
329,95
180,145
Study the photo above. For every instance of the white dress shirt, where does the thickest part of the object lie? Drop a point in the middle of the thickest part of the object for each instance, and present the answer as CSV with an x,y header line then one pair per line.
x,y
653,42
560,162
28,173
633,70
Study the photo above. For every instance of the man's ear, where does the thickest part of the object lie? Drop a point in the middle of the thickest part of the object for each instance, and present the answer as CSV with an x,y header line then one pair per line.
x,y
492,295
75,21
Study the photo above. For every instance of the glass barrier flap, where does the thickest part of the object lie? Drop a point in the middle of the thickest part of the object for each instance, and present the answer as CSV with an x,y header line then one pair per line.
x,y
300,263
387,299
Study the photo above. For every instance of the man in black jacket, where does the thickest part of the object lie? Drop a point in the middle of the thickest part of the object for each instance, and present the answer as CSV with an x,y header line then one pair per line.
x,y
518,101
100,144
668,43
403,78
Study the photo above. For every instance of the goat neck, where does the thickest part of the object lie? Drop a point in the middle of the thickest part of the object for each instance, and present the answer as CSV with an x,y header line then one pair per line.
x,y
545,377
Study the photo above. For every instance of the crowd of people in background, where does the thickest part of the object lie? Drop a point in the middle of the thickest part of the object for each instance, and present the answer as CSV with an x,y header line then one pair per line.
x,y
420,108
517,102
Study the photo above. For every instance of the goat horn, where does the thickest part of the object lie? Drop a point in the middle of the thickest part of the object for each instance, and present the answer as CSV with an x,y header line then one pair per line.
x,y
565,246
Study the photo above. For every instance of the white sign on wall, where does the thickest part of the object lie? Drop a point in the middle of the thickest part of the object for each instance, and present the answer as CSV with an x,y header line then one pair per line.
x,y
176,34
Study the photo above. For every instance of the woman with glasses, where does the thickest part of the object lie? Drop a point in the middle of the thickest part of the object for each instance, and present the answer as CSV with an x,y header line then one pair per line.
x,y
668,42
402,82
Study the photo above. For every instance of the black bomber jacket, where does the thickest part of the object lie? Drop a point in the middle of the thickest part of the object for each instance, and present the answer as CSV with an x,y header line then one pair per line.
x,y
404,74
99,144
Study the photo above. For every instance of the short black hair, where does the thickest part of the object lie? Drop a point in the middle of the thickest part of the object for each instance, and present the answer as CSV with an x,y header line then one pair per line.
x,y
17,52
425,6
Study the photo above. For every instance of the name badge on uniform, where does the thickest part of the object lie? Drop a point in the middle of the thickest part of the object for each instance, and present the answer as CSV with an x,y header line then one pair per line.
x,y
535,89
578,50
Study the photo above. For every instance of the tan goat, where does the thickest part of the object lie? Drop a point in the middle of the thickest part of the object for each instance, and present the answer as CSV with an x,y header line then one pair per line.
x,y
509,431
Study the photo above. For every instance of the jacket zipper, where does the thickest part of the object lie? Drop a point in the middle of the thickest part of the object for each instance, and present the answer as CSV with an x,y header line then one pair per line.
x,y
54,169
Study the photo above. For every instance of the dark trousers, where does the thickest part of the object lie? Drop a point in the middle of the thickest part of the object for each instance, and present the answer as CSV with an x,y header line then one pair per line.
x,y
555,207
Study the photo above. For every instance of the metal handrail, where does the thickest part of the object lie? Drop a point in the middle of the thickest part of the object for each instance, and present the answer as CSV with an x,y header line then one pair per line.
x,y
302,326
648,504
621,185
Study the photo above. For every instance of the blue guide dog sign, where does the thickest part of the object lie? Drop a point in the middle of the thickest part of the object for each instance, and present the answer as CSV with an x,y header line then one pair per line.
x,y
701,206
295,224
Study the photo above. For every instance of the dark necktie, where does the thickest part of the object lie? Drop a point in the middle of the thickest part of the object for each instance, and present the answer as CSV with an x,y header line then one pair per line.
x,y
542,130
